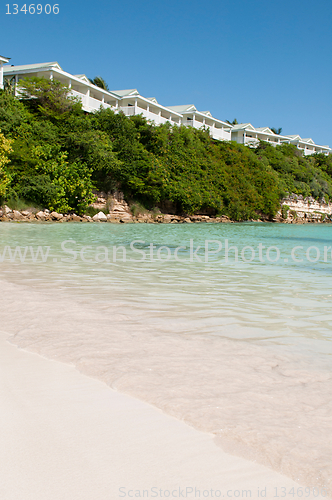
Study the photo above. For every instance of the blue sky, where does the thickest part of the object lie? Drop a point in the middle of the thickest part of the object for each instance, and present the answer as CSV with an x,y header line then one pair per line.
x,y
268,63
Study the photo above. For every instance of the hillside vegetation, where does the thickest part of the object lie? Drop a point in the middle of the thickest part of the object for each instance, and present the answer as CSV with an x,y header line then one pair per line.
x,y
58,154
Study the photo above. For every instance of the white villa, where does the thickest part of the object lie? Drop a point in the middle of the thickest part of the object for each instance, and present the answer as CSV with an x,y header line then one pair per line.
x,y
191,117
92,97
130,102
307,145
245,133
3,60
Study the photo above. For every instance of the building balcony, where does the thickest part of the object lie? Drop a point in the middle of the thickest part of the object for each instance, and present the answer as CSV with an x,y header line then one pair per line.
x,y
90,103
157,118
220,134
216,133
251,141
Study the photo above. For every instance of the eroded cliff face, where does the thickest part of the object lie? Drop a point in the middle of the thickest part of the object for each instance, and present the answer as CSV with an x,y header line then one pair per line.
x,y
307,205
299,209
114,208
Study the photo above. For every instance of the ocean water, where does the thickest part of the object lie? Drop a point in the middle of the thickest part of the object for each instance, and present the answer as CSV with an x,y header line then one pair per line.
x,y
238,349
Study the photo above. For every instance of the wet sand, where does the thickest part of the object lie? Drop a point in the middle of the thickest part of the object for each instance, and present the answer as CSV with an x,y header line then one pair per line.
x,y
65,435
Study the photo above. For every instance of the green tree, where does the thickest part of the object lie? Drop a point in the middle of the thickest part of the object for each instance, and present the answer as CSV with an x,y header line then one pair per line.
x,y
5,149
12,114
99,82
234,122
50,97
276,130
71,182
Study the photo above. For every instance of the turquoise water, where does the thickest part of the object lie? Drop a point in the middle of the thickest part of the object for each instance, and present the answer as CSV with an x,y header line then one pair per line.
x,y
241,349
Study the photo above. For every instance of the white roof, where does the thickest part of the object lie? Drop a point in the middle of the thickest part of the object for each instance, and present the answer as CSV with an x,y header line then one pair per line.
x,y
8,70
294,137
4,59
126,92
309,140
306,141
298,138
243,126
84,78
267,130
27,67
191,108
183,108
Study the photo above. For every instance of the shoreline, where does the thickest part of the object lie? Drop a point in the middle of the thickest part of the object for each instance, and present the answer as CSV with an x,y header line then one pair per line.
x,y
45,217
33,319
69,436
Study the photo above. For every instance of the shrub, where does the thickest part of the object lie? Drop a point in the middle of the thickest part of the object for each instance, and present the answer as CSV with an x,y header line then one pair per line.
x,y
284,211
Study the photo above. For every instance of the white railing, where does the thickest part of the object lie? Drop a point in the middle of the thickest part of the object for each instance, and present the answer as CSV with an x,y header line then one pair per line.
x,y
220,134
308,151
94,104
193,123
252,141
129,110
149,115
82,97
90,103
217,133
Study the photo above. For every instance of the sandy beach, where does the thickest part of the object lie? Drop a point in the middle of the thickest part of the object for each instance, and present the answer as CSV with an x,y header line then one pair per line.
x,y
132,381
68,436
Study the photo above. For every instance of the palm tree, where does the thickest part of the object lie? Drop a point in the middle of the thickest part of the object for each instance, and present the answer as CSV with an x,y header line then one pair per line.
x,y
9,85
99,82
234,122
276,130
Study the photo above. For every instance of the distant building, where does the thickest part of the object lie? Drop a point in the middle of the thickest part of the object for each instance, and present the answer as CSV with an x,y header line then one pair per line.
x,y
191,117
245,133
307,145
131,102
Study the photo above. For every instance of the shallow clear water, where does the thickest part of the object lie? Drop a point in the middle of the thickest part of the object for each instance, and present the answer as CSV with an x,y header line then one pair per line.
x,y
240,349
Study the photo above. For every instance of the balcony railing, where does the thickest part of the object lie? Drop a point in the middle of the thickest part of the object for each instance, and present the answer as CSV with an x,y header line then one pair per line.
x,y
149,115
129,110
251,141
221,134
217,133
90,103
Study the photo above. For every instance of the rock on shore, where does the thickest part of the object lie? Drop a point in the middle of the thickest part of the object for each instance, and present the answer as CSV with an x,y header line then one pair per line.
x,y
118,214
114,209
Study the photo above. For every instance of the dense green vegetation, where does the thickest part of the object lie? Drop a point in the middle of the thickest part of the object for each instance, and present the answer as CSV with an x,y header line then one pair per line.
x,y
58,154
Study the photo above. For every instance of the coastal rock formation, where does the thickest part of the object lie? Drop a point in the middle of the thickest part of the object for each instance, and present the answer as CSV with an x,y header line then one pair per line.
x,y
119,208
294,210
299,210
100,217
56,216
307,205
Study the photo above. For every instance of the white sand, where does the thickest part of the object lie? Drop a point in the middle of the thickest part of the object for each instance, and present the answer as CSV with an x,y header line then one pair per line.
x,y
66,436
